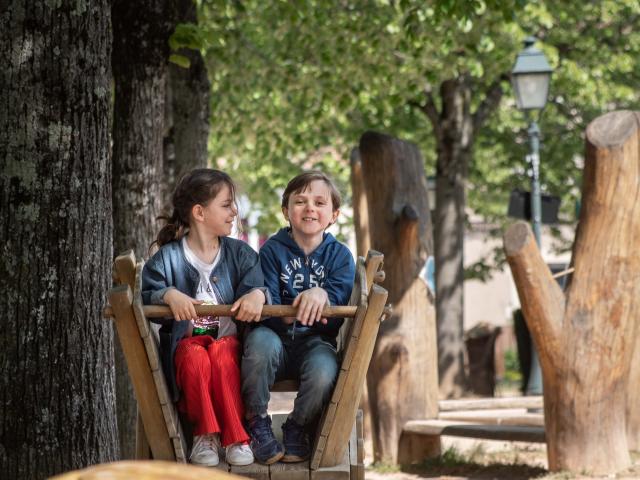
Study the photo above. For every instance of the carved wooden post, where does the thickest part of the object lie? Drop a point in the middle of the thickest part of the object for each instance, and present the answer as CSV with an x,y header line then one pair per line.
x,y
586,340
403,376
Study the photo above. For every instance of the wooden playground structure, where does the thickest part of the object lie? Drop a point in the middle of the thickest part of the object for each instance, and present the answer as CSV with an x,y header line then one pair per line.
x,y
337,451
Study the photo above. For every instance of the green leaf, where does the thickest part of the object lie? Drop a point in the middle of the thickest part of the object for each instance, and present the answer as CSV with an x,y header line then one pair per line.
x,y
180,60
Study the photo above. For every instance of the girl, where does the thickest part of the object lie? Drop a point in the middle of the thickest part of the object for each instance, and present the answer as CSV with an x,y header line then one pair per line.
x,y
198,263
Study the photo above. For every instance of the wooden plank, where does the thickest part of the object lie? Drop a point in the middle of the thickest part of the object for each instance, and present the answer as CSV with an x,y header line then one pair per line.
x,y
223,465
255,470
290,471
124,269
490,403
350,344
140,372
348,400
341,471
171,420
373,263
353,452
512,433
180,445
143,452
153,352
360,433
161,386
514,416
359,473
141,320
357,295
180,450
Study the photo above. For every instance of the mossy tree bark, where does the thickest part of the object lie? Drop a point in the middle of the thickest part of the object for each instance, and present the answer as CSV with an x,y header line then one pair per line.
x,y
187,105
57,398
586,338
140,62
403,378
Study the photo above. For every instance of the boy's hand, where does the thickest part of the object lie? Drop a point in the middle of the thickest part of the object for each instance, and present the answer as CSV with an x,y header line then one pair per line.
x,y
181,305
249,306
310,304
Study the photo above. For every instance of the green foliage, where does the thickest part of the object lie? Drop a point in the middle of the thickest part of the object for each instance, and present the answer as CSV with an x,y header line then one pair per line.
x,y
295,84
180,60
512,373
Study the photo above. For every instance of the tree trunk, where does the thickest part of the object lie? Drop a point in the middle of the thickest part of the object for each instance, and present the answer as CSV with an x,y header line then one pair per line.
x,y
586,344
454,152
140,53
57,386
188,108
402,378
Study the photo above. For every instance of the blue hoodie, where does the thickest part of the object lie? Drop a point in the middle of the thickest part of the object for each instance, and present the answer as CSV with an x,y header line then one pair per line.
x,y
288,271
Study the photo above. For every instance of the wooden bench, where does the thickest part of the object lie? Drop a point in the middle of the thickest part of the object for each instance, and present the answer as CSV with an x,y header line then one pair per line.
x,y
507,419
338,447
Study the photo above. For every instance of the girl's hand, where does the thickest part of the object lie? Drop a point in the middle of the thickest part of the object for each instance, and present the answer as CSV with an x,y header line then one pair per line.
x,y
248,308
310,304
181,305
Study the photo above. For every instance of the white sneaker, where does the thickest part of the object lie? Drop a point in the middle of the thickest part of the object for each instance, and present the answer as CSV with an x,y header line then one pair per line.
x,y
239,454
205,450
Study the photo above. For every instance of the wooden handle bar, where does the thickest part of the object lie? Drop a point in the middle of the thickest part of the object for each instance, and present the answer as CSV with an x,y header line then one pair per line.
x,y
158,311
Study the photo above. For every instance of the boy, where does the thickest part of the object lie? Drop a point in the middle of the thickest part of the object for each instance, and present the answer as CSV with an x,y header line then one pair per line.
x,y
308,268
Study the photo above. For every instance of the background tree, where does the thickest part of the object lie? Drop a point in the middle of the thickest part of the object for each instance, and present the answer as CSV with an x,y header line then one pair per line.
x,y
56,390
188,96
140,65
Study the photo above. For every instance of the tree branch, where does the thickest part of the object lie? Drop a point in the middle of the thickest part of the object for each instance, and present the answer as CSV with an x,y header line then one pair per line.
x,y
490,102
430,109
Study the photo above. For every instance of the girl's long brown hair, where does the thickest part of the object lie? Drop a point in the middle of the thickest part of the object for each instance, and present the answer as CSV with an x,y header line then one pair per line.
x,y
198,187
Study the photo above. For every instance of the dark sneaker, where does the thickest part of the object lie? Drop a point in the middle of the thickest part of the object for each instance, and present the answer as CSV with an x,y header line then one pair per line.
x,y
266,448
296,442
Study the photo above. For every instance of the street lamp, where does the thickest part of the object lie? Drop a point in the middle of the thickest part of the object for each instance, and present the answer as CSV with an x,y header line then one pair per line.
x,y
530,78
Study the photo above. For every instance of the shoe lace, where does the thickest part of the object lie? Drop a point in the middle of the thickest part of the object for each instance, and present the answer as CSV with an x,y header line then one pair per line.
x,y
262,427
209,441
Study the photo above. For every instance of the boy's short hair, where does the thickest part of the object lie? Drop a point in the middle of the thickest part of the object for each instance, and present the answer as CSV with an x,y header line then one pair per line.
x,y
300,182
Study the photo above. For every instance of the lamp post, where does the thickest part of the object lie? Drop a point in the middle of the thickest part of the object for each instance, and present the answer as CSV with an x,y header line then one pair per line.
x,y
530,78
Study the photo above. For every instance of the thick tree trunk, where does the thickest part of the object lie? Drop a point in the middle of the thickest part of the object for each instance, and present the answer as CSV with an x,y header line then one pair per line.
x,y
57,398
188,108
402,378
140,54
454,152
586,343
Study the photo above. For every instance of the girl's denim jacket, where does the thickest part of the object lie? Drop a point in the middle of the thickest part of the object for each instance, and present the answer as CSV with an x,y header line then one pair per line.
x,y
237,272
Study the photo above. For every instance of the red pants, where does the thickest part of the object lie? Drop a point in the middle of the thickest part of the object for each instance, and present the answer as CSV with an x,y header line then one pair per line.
x,y
208,373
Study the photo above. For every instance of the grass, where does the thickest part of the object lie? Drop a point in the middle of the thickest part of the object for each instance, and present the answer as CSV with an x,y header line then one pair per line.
x,y
474,464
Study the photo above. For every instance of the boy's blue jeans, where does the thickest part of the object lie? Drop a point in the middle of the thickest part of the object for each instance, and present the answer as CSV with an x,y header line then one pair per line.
x,y
268,358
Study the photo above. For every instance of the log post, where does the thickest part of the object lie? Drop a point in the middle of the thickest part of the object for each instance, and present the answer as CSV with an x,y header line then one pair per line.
x,y
403,375
586,339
